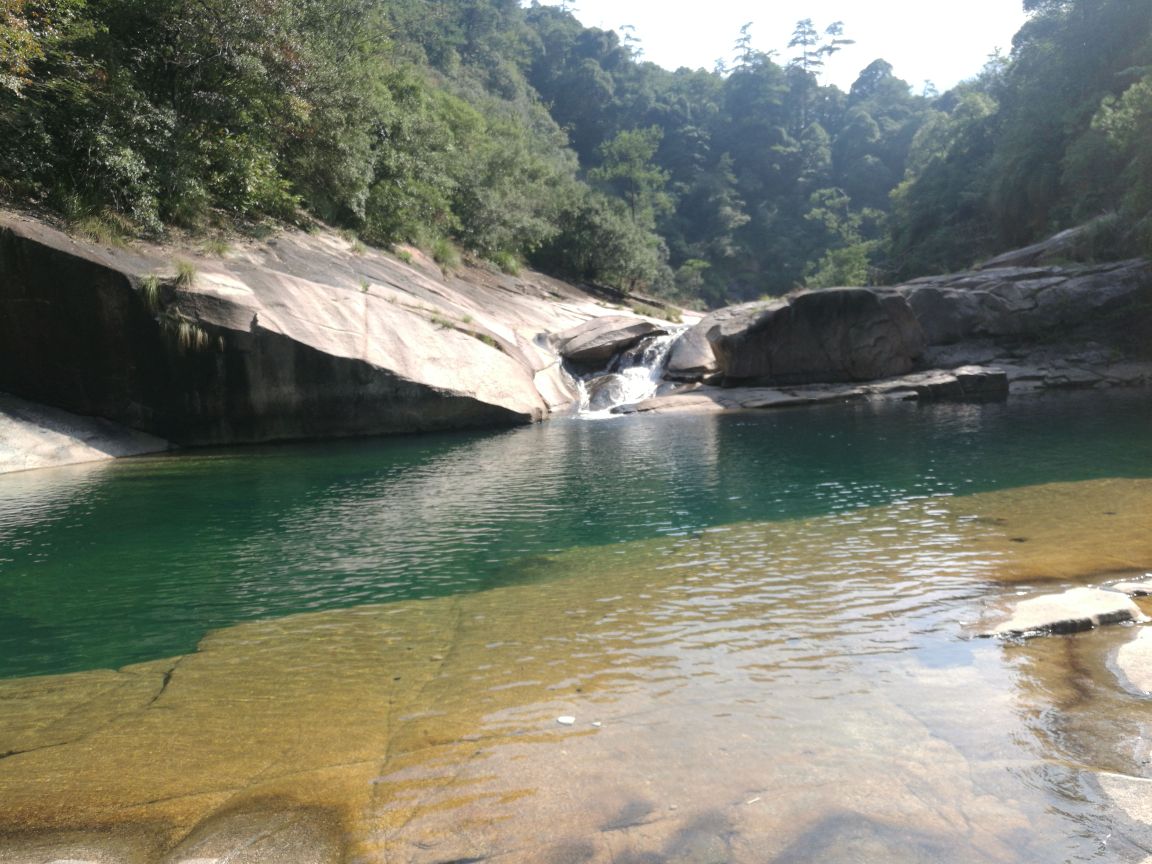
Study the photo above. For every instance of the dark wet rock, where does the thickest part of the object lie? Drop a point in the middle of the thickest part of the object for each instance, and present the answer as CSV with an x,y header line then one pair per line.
x,y
834,335
604,391
965,384
597,341
1071,612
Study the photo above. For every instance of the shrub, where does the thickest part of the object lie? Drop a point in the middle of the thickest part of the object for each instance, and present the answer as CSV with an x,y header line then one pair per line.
x,y
445,253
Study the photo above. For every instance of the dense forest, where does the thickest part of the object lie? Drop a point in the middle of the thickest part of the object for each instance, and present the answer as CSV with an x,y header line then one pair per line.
x,y
518,135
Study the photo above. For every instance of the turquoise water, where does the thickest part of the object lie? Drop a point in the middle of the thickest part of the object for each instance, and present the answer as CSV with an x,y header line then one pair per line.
x,y
114,563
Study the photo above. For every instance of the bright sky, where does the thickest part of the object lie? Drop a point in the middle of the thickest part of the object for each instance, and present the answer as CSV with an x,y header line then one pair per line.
x,y
923,40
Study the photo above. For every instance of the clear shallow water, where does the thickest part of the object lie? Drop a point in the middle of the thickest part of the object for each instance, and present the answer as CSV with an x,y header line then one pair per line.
x,y
109,564
761,625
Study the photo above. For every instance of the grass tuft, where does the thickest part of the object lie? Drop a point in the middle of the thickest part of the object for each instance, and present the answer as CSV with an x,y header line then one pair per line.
x,y
150,288
185,273
217,246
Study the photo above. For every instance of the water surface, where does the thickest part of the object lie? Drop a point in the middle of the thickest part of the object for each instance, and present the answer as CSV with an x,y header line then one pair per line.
x,y
762,625
114,563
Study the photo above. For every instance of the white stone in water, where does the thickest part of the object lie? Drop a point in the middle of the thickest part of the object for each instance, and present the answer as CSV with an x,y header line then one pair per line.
x,y
1134,661
1075,610
1135,589
1133,795
566,720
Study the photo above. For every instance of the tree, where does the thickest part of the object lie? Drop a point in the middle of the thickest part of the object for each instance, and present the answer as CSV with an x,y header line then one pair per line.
x,y
627,169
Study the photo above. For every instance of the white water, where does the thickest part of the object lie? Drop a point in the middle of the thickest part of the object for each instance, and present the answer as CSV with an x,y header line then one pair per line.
x,y
635,377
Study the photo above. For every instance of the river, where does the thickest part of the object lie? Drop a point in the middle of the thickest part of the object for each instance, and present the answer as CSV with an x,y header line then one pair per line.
x,y
762,627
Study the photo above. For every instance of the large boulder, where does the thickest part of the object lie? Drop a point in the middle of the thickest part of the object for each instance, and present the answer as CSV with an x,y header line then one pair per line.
x,y
299,336
838,334
1020,304
597,341
691,357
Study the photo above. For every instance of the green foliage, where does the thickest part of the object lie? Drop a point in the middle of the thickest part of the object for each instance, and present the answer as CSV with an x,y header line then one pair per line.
x,y
445,253
601,244
626,170
507,262
517,134
1045,139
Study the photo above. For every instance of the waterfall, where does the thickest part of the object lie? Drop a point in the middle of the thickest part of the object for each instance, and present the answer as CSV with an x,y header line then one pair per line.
x,y
633,376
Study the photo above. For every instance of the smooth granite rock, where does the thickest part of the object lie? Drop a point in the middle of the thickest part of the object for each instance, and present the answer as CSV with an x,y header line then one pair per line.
x,y
833,335
1022,304
1075,610
36,436
691,357
298,336
1134,661
595,342
255,837
1134,589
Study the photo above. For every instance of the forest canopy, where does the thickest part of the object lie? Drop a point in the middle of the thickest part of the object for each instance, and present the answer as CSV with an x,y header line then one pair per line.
x,y
521,135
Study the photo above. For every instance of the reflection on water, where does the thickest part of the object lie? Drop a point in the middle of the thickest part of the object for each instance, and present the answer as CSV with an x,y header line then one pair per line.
x,y
798,690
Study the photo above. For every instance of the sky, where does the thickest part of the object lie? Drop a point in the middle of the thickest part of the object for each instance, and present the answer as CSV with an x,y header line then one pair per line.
x,y
923,40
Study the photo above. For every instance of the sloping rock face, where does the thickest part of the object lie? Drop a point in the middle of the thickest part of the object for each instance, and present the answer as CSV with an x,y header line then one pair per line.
x,y
297,337
1032,303
597,341
838,334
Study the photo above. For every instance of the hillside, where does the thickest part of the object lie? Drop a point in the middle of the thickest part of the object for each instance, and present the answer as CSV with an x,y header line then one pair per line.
x,y
519,135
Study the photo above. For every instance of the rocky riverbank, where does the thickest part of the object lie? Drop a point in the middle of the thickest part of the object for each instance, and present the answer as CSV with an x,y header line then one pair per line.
x,y
311,336
297,336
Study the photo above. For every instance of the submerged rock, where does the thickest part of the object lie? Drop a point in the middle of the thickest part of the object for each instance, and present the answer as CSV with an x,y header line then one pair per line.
x,y
1071,612
255,837
834,335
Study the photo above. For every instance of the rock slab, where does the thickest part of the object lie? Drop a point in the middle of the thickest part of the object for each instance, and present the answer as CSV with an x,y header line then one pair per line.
x,y
1070,612
834,335
595,342
1134,660
298,336
36,436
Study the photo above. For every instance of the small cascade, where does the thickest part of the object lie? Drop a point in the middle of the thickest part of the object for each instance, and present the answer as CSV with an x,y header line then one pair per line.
x,y
633,376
